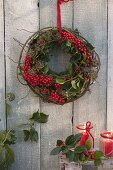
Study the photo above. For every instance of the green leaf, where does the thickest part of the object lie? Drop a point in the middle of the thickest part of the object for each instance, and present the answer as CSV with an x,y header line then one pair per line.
x,y
46,69
70,155
60,80
73,84
39,117
43,118
68,44
56,151
8,108
98,154
70,69
70,140
9,155
33,135
64,149
80,149
59,142
97,162
78,137
26,135
88,144
82,157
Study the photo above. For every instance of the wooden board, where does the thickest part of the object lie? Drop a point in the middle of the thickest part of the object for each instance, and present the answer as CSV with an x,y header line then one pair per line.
x,y
91,20
2,70
59,125
110,68
21,15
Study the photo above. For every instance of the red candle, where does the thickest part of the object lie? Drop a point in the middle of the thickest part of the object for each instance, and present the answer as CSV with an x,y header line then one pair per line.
x,y
106,143
84,138
85,130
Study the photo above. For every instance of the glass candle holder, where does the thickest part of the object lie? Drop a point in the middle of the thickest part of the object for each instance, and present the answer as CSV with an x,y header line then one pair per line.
x,y
86,129
106,143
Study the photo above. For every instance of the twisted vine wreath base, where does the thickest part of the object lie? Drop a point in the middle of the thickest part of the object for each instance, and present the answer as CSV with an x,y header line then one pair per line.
x,y
66,86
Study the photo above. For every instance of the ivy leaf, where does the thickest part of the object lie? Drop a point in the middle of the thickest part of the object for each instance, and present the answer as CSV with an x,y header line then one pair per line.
x,y
56,151
43,118
88,144
39,117
33,135
60,80
8,108
26,135
9,155
80,149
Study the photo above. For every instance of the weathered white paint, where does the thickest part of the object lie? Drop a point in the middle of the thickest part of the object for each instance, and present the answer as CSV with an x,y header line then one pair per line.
x,y
90,17
21,15
2,71
91,20
110,67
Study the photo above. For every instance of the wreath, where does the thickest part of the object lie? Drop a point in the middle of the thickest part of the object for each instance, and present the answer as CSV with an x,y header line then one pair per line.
x,y
63,87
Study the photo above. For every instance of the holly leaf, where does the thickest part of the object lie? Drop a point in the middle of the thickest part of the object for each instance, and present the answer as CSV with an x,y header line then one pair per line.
x,y
74,84
60,81
33,135
46,69
56,151
88,144
26,135
68,44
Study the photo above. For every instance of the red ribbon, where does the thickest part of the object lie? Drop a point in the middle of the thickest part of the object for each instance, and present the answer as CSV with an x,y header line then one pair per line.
x,y
59,22
87,128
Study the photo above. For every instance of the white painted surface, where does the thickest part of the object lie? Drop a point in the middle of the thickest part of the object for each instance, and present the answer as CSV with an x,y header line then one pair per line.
x,y
2,71
90,17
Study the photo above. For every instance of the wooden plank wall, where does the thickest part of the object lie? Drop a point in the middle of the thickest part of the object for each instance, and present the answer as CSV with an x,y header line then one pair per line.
x,y
91,18
2,69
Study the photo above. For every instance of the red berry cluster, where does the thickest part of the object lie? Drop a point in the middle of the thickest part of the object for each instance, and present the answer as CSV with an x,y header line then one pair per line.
x,y
35,79
77,43
55,96
44,90
57,85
